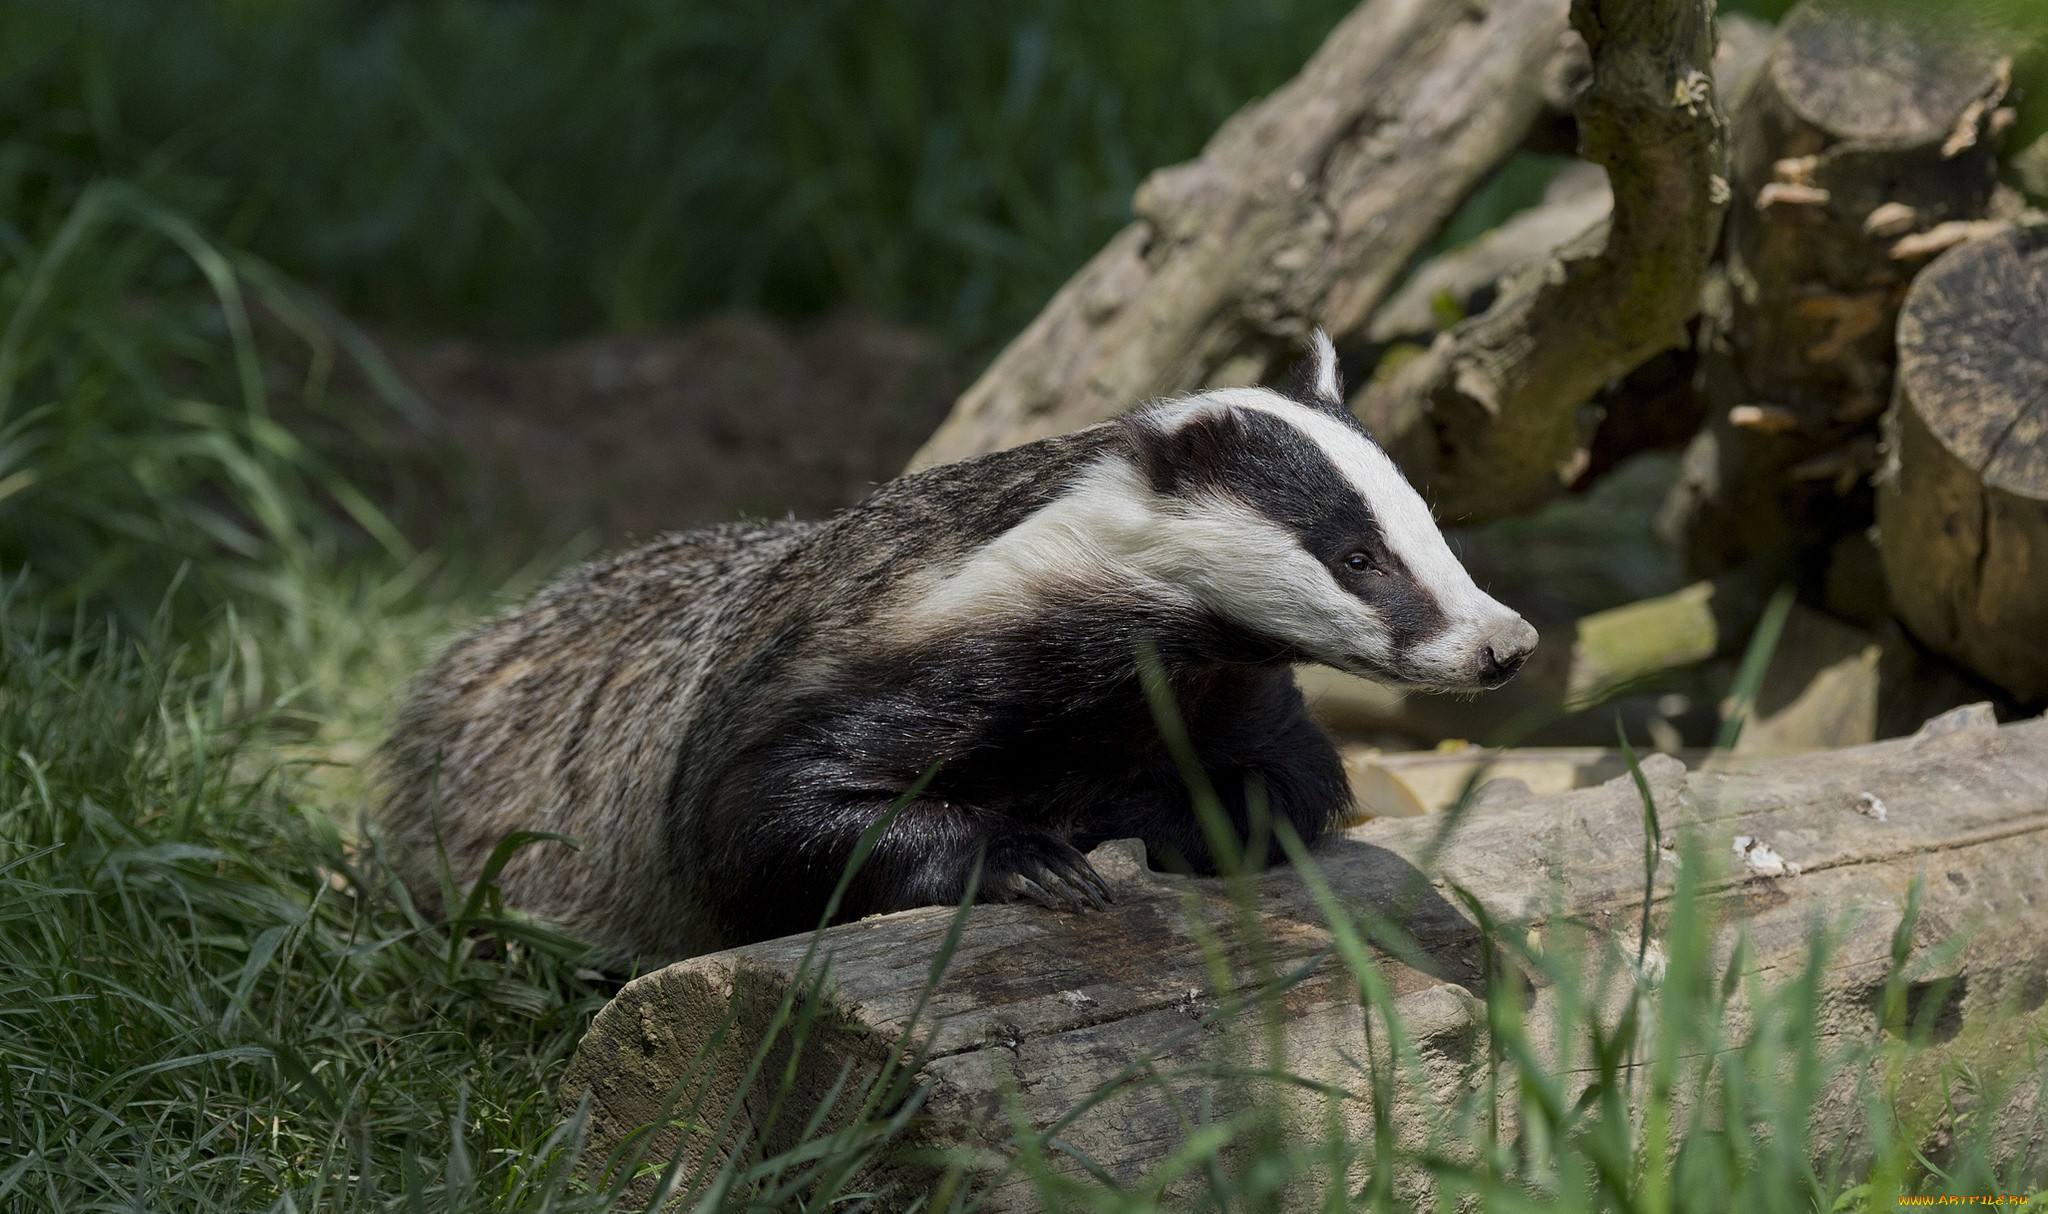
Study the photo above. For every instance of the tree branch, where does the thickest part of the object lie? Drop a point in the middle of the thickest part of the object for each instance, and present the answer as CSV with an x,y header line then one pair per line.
x,y
1489,418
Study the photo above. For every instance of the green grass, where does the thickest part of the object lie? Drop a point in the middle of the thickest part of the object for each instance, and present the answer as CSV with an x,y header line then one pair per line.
x,y
213,1001
169,420
213,996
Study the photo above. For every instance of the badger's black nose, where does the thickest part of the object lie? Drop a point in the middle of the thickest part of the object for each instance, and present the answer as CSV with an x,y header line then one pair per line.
x,y
1503,653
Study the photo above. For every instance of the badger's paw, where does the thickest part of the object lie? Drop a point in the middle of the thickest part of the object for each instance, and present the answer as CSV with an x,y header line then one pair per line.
x,y
1046,870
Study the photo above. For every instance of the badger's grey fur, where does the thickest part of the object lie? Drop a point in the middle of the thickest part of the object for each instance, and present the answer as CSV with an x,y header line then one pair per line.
x,y
718,716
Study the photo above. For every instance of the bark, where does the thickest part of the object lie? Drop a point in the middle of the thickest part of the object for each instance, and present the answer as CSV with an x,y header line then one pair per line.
x,y
1622,660
1641,642
1830,684
1041,1008
1654,407
1303,209
1490,417
1963,517
1865,132
1467,279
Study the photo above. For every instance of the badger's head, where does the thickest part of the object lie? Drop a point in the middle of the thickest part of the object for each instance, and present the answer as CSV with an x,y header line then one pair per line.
x,y
1287,520
1272,512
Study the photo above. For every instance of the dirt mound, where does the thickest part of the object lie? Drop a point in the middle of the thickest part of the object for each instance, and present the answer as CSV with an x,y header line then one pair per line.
x,y
634,435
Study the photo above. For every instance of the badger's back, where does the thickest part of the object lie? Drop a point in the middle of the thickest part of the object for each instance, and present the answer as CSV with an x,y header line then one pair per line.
x,y
566,715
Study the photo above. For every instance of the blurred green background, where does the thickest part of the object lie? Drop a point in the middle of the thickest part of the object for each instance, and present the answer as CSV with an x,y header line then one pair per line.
x,y
200,199
532,169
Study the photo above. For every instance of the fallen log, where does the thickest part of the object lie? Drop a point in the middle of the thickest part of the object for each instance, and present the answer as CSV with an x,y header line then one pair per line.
x,y
1623,659
1490,417
1640,642
1870,129
1039,1009
1963,511
1830,684
1304,208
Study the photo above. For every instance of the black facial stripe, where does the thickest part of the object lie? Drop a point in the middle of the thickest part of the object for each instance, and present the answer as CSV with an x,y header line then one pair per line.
x,y
1412,613
1267,464
1275,469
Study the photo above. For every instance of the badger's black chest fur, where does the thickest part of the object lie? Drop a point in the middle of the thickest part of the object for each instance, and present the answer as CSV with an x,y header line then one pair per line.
x,y
1040,743
718,717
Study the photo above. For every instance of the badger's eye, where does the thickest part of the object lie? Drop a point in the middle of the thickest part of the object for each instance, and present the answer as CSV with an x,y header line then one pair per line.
x,y
1358,562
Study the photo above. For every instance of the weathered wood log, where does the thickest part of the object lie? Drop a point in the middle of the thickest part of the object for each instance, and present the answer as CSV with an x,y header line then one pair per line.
x,y
1466,280
1868,127
2028,169
1640,642
1654,407
1742,43
1490,416
1304,208
1829,683
1622,660
1040,1009
1963,512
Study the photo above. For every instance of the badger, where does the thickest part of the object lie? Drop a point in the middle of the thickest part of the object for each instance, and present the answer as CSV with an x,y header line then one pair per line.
x,y
718,717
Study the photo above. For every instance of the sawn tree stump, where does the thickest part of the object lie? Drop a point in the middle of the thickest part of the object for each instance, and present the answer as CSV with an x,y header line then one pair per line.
x,y
1963,513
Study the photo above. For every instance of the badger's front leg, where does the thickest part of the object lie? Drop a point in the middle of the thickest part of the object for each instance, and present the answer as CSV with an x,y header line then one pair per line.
x,y
1257,748
799,832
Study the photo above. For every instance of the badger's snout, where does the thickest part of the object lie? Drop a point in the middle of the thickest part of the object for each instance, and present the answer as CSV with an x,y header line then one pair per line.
x,y
1502,651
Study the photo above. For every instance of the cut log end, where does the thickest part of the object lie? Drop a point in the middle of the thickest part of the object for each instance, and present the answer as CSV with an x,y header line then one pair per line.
x,y
1866,142
1964,516
1886,74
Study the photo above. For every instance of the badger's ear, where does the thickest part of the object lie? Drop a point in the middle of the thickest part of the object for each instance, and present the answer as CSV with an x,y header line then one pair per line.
x,y
1191,447
1316,382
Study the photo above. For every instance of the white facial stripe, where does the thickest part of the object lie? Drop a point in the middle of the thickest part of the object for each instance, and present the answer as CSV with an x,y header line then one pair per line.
x,y
1087,537
1404,518
1112,532
1111,535
1248,569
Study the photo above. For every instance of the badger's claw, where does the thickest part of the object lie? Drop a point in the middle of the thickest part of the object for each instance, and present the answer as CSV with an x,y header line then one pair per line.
x,y
1059,878
1083,877
1022,886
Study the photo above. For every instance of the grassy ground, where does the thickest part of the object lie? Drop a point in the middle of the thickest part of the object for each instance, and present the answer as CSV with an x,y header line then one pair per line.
x,y
211,1001
213,997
